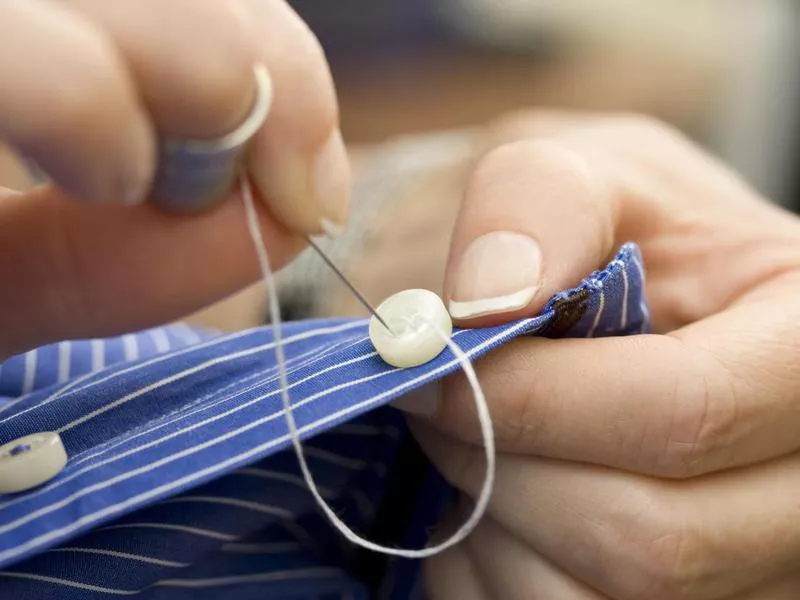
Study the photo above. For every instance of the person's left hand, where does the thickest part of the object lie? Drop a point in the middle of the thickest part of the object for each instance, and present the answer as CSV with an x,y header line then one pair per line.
x,y
654,467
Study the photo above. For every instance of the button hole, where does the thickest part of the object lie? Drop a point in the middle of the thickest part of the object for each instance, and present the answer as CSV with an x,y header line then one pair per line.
x,y
19,449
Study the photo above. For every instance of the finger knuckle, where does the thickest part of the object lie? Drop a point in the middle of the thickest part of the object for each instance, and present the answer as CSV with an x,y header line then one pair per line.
x,y
664,555
704,418
565,177
90,92
669,565
516,159
521,427
494,165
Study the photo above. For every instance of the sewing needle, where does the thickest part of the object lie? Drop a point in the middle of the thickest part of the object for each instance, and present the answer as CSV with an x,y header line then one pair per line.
x,y
352,288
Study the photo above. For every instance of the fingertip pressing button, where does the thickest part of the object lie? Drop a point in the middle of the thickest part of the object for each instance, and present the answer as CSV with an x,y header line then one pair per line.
x,y
30,461
420,328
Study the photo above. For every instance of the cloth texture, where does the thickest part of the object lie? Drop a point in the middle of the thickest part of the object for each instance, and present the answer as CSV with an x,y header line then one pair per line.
x,y
181,481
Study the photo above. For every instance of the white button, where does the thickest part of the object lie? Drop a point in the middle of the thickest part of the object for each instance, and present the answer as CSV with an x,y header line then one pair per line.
x,y
420,327
30,461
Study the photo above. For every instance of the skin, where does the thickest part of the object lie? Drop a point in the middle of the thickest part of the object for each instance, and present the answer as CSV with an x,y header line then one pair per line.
x,y
667,469
104,80
659,466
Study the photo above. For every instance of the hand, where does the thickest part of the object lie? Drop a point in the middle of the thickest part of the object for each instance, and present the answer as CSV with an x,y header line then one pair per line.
x,y
87,85
659,466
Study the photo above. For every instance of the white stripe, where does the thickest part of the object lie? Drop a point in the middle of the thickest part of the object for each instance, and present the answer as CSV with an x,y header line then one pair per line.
x,y
216,342
324,455
625,287
318,572
29,378
188,451
71,388
14,402
643,302
639,268
98,354
173,378
130,346
74,382
233,461
279,476
69,583
160,339
64,351
145,559
269,548
597,316
196,425
236,502
217,535
184,413
73,462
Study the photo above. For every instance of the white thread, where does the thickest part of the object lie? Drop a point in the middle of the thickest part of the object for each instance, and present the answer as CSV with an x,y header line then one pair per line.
x,y
481,407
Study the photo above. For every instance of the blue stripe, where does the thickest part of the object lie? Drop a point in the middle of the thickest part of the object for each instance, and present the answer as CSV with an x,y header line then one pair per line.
x,y
182,450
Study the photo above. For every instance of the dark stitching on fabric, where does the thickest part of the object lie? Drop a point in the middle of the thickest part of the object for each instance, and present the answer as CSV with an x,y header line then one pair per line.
x,y
583,292
567,312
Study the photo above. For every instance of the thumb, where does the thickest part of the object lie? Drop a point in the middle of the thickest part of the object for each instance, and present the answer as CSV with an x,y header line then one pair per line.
x,y
535,220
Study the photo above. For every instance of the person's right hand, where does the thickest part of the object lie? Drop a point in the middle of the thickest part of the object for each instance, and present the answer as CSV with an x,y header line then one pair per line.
x,y
88,85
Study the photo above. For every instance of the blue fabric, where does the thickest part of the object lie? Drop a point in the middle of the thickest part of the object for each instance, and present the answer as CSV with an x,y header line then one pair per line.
x,y
181,482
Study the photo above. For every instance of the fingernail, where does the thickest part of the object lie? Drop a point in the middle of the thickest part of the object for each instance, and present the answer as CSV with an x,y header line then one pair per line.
x,y
422,402
331,183
135,180
499,272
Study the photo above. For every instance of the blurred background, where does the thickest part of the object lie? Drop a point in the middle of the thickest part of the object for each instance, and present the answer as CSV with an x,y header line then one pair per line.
x,y
412,74
725,71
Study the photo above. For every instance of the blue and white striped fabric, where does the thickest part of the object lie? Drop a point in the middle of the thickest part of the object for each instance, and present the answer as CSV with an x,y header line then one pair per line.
x,y
181,482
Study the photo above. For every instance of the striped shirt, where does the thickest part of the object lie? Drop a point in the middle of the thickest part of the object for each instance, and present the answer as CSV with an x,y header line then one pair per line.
x,y
181,482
